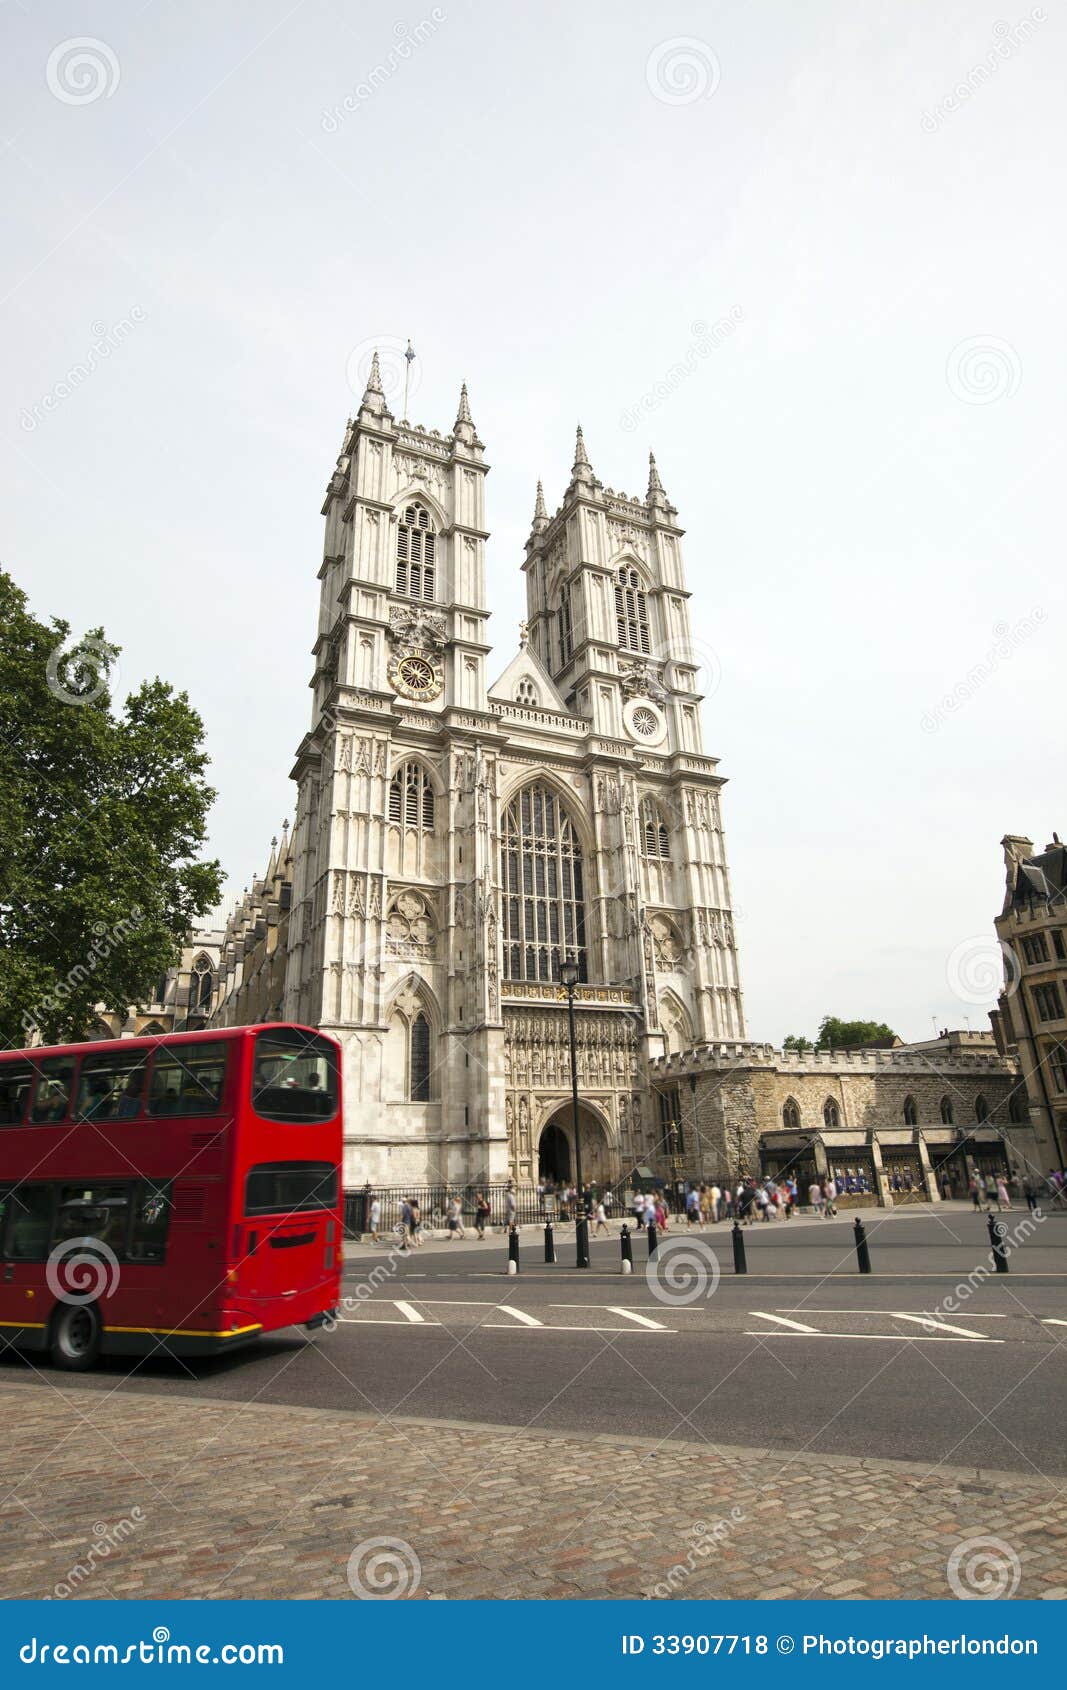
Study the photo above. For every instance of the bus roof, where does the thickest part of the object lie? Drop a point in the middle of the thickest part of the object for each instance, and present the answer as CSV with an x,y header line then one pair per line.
x,y
152,1041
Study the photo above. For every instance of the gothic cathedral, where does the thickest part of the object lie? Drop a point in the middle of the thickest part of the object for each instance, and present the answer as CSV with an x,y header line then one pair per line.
x,y
456,839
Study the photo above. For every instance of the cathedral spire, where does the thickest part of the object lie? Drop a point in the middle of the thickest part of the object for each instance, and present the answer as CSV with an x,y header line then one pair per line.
x,y
656,494
464,413
540,516
464,430
374,394
582,472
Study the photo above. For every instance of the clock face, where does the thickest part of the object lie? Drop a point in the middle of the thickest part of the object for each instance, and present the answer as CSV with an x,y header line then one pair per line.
x,y
416,675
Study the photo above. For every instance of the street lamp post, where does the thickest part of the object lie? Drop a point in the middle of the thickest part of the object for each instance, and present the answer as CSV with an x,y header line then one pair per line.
x,y
568,973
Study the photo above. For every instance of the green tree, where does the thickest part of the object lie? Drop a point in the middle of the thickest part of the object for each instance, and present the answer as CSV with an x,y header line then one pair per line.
x,y
835,1034
796,1041
102,818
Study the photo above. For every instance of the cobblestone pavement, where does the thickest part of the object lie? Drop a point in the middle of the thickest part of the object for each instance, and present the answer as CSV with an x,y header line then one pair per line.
x,y
107,1494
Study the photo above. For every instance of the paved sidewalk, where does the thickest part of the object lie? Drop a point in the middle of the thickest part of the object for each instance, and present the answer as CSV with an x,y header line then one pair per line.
x,y
109,1494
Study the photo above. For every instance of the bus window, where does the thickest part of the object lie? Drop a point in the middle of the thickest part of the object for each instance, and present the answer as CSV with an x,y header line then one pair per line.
x,y
151,1219
27,1223
88,1210
187,1080
280,1187
295,1077
112,1086
55,1082
16,1078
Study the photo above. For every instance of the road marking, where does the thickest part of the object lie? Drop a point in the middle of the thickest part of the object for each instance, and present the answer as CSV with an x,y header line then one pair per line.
x,y
1048,1321
368,1320
640,1319
520,1315
612,1331
411,1313
937,1325
808,1310
780,1320
876,1337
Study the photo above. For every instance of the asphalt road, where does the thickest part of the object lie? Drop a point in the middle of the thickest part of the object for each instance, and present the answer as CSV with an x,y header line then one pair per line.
x,y
803,1354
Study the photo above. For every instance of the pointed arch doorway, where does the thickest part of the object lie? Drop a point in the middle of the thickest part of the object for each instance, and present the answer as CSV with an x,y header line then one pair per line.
x,y
555,1154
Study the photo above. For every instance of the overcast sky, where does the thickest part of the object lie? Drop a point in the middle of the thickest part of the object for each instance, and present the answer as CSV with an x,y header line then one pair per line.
x,y
810,253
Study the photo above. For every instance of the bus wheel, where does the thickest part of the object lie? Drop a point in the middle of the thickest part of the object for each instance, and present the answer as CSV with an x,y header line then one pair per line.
x,y
76,1335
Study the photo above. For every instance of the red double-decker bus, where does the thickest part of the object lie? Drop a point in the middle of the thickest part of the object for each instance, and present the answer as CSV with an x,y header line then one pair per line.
x,y
178,1194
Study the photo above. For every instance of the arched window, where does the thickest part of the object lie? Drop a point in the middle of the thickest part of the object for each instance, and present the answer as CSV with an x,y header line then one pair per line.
x,y
416,544
831,1115
981,1108
202,989
1018,1110
565,626
655,834
526,692
948,1114
631,611
411,797
544,896
791,1115
911,1112
419,1066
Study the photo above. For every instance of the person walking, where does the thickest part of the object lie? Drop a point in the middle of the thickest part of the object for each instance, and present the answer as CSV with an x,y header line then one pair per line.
x,y
829,1192
1003,1198
601,1218
692,1206
416,1225
456,1228
405,1224
815,1196
375,1218
946,1187
482,1211
975,1190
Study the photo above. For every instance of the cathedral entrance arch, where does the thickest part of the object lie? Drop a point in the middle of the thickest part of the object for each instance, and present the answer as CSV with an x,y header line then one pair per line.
x,y
556,1159
554,1155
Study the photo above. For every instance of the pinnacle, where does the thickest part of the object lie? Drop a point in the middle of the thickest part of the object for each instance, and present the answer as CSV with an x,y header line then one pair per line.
x,y
540,510
464,413
374,380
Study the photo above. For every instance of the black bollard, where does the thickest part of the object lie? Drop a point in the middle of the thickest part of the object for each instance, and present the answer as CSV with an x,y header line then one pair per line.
x,y
997,1234
627,1250
550,1243
653,1240
863,1255
513,1249
738,1239
581,1240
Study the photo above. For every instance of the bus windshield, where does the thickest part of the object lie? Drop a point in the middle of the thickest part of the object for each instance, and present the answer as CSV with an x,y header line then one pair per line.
x,y
294,1076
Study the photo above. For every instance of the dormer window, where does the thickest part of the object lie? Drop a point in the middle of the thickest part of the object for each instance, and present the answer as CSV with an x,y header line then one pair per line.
x,y
416,542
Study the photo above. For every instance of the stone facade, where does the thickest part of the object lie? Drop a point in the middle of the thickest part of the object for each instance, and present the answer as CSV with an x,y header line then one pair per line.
x,y
455,839
1032,1012
252,955
184,998
896,1120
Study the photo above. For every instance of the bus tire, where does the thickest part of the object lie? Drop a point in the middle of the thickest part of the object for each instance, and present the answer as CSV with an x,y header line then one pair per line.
x,y
75,1336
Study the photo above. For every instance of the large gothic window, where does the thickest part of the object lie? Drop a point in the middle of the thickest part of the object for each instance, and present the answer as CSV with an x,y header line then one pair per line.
x,y
415,554
565,626
544,897
202,988
411,797
419,1075
631,611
